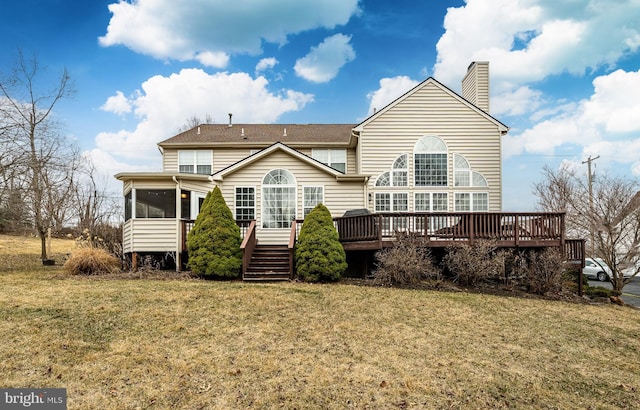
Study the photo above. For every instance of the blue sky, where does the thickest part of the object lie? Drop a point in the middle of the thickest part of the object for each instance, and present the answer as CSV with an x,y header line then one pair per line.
x,y
565,76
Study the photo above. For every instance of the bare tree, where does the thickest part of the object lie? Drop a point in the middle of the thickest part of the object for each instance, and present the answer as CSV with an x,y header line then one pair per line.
x,y
26,117
613,216
93,207
194,121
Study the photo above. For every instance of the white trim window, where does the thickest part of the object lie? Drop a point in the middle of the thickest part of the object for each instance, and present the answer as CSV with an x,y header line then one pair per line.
x,y
398,176
195,162
311,196
335,158
392,202
464,176
245,203
430,159
471,202
430,202
278,199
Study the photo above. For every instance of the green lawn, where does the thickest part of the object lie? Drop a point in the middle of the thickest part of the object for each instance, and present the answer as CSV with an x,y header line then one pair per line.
x,y
192,344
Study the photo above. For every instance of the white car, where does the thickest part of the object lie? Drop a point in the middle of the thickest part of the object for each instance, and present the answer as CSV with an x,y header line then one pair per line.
x,y
595,268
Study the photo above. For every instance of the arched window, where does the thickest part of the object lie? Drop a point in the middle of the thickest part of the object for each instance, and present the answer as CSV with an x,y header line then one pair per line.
x,y
278,199
398,176
430,162
463,176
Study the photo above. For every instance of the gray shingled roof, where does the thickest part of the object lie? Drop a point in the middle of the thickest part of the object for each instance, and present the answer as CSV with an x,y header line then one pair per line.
x,y
290,134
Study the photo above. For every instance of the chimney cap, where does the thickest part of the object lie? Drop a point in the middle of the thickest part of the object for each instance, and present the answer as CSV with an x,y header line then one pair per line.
x,y
230,123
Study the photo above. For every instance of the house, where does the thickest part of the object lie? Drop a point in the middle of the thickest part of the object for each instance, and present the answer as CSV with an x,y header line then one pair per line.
x,y
429,152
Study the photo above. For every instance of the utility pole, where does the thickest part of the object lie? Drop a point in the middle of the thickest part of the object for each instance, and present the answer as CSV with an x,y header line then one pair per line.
x,y
591,215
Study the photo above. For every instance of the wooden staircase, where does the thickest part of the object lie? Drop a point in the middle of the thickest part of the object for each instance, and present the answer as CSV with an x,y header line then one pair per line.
x,y
269,263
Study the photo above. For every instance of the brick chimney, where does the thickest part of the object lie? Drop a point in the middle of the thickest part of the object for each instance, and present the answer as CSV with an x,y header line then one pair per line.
x,y
475,85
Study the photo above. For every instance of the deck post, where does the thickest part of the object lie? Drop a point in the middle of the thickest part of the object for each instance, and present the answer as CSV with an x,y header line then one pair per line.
x,y
516,230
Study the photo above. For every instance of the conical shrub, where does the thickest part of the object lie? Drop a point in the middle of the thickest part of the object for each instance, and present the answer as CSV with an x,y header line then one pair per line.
x,y
214,242
319,254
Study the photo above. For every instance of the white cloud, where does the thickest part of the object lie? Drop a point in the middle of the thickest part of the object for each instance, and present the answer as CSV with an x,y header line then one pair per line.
x,y
211,59
605,124
165,103
213,29
517,102
390,89
266,64
117,104
615,103
325,60
527,40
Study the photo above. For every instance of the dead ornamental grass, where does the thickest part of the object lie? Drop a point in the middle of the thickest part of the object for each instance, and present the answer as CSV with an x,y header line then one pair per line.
x,y
195,344
92,261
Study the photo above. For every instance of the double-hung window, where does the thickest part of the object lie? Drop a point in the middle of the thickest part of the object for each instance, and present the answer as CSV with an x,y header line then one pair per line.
x,y
311,196
195,161
335,158
392,202
471,201
245,203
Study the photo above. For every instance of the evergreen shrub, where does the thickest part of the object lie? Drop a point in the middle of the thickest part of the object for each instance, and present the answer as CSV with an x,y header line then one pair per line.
x,y
214,241
319,254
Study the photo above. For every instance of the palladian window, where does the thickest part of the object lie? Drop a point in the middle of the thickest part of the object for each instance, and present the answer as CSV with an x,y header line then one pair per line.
x,y
430,161
278,199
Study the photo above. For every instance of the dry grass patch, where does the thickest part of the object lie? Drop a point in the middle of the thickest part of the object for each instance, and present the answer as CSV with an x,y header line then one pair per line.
x,y
197,344
23,252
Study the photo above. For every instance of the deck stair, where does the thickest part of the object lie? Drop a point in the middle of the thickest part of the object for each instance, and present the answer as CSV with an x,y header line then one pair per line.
x,y
269,263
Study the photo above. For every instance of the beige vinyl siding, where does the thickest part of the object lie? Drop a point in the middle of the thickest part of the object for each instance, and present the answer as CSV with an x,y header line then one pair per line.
x,y
338,197
145,184
475,85
432,111
127,236
224,157
351,157
150,235
170,160
196,186
126,187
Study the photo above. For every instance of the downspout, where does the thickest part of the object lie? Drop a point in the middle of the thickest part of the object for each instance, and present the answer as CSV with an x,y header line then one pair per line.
x,y
178,258
366,193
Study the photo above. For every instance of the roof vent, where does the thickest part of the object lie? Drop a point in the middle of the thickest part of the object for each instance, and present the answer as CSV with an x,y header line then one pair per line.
x,y
198,130
285,133
230,123
242,133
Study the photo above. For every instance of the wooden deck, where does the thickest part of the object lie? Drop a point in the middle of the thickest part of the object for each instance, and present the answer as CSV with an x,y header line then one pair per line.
x,y
508,229
371,232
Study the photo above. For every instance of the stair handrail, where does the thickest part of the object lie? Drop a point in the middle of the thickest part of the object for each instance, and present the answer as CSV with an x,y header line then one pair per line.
x,y
291,246
248,245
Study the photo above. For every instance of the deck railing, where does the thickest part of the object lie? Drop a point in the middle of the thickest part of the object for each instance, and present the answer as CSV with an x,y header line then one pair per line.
x,y
187,226
511,229
535,226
